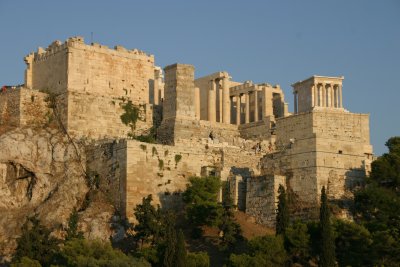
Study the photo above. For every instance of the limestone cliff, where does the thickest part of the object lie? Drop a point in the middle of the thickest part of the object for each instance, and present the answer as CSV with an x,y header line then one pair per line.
x,y
42,173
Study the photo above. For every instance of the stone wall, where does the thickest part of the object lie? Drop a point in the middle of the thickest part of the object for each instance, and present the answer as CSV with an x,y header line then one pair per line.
x,y
262,198
96,116
162,171
320,148
99,70
10,108
23,107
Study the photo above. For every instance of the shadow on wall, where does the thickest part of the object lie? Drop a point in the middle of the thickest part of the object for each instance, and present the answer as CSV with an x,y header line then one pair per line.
x,y
244,172
171,200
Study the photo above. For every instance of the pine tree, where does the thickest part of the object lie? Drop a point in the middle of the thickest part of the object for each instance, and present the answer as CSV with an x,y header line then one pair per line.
x,y
282,216
180,252
36,243
327,258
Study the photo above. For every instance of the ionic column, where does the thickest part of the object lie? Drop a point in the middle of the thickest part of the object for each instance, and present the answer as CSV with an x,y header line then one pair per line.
x,y
315,95
211,101
226,101
341,97
255,106
238,110
328,95
324,95
247,111
319,95
336,96
197,102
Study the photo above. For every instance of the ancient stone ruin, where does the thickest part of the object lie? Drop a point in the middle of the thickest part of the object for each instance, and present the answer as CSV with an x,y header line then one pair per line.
x,y
212,125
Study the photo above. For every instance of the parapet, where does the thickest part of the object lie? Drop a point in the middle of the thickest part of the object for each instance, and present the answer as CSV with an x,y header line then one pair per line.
x,y
78,43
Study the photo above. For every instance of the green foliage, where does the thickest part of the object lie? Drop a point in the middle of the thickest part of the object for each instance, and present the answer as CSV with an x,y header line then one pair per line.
x,y
35,243
201,198
26,262
148,226
80,252
160,164
231,231
198,259
282,216
353,244
297,242
180,252
263,251
131,114
393,145
178,158
170,242
327,257
377,206
72,231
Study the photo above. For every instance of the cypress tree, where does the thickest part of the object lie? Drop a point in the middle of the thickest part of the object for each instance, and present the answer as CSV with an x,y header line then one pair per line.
x,y
327,258
180,251
170,242
282,215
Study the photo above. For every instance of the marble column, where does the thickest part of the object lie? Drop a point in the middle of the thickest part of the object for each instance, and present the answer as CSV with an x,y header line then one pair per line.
x,y
328,95
238,103
247,111
256,106
197,102
312,96
219,103
336,96
319,95
211,101
226,101
295,102
340,96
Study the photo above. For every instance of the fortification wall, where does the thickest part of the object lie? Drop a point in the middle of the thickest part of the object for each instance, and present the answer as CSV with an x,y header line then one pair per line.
x,y
96,116
23,107
98,70
162,171
262,198
9,108
260,130
47,70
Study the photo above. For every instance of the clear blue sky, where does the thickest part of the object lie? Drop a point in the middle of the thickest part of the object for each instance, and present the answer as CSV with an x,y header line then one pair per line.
x,y
264,41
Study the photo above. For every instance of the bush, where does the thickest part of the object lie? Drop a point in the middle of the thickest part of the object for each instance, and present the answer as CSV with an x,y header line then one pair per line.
x,y
198,259
26,262
80,252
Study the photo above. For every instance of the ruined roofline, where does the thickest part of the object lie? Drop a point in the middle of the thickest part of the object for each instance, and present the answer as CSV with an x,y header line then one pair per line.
x,y
78,42
317,77
215,75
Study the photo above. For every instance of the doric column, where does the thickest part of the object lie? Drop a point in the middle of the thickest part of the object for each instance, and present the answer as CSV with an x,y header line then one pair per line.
x,y
255,106
197,102
211,101
341,97
328,95
219,88
247,111
226,101
295,102
238,110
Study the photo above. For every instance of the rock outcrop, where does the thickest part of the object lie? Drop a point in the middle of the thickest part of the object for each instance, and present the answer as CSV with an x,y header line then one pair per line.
x,y
42,173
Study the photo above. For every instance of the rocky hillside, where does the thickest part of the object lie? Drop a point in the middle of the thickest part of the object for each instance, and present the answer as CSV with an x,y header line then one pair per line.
x,y
42,173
